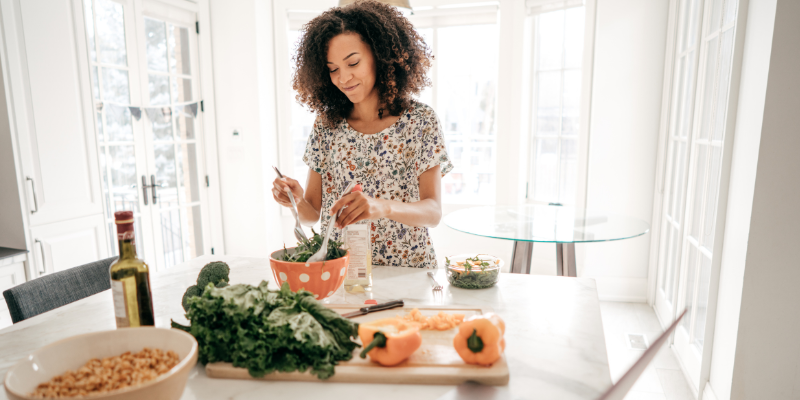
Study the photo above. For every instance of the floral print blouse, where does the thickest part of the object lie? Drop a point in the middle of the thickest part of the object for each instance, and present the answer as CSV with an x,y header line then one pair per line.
x,y
387,165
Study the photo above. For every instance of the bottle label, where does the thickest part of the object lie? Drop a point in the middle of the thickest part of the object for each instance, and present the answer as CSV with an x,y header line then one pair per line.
x,y
118,293
357,242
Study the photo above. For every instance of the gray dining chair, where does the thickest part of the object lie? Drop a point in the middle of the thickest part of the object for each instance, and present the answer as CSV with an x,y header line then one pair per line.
x,y
58,289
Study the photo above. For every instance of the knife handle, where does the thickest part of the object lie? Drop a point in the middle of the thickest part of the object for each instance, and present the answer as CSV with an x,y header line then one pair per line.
x,y
382,306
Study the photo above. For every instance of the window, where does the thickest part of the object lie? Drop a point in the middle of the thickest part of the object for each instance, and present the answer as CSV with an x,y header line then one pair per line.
x,y
556,105
151,164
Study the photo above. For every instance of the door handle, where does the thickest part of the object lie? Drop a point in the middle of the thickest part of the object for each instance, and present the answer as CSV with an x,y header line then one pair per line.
x,y
33,190
153,187
44,259
144,189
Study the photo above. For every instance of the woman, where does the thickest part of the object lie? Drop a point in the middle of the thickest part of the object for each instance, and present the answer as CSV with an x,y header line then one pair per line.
x,y
357,68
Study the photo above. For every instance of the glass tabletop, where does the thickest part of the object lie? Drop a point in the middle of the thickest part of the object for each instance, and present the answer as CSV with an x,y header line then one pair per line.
x,y
539,223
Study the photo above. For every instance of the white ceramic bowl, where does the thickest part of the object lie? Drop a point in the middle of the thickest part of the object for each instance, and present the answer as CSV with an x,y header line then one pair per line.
x,y
72,353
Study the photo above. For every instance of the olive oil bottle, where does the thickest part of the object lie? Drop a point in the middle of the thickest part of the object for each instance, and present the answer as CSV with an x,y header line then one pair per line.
x,y
359,271
130,279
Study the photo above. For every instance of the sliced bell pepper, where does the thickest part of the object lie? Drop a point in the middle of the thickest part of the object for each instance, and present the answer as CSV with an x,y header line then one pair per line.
x,y
480,339
389,341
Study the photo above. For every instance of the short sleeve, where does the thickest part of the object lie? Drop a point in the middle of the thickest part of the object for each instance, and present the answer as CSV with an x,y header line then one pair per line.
x,y
316,148
431,150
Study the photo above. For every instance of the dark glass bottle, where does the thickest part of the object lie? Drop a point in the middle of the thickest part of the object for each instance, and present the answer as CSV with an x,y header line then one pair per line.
x,y
130,279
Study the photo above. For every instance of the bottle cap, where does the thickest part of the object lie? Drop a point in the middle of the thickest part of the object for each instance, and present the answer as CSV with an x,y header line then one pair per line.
x,y
124,221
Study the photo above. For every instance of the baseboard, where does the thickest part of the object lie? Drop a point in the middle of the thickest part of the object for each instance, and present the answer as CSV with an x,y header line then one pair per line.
x,y
708,393
630,290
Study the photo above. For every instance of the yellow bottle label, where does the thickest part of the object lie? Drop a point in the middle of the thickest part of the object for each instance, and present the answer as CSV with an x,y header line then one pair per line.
x,y
126,303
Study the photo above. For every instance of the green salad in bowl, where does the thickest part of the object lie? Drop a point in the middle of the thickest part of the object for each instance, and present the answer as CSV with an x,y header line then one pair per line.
x,y
473,271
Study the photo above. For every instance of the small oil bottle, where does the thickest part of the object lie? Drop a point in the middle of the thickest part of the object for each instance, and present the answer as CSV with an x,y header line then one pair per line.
x,y
359,272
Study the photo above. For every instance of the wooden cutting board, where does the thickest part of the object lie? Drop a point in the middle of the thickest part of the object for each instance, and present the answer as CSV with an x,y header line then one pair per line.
x,y
435,362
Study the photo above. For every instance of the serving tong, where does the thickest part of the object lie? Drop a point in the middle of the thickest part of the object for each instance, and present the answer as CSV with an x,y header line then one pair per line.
x,y
322,253
298,228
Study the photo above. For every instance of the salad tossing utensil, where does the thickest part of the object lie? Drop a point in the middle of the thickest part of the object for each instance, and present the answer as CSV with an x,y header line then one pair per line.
x,y
298,229
323,251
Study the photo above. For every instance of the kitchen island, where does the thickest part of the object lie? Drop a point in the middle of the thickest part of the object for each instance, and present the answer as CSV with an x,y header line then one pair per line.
x,y
554,336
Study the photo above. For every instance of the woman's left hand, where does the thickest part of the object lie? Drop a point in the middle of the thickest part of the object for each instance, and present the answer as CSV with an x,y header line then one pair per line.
x,y
359,207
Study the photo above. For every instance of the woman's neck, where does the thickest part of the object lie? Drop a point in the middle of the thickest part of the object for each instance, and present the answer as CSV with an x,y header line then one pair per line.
x,y
367,109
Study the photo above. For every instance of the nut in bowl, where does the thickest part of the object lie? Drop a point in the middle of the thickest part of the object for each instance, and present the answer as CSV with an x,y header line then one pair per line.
x,y
73,353
322,278
473,271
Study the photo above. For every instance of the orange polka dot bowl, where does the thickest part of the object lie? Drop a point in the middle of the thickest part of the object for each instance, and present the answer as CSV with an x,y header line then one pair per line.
x,y
322,278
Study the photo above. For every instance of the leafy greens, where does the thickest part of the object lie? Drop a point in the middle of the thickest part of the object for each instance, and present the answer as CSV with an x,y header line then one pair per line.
x,y
306,248
476,274
267,331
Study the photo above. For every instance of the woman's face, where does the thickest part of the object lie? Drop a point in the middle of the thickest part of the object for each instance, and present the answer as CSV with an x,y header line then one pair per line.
x,y
352,66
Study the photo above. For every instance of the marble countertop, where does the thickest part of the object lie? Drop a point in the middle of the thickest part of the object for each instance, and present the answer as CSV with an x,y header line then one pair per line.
x,y
554,334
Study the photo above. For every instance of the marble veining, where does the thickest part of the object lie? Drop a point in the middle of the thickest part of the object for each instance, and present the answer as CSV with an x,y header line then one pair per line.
x,y
555,343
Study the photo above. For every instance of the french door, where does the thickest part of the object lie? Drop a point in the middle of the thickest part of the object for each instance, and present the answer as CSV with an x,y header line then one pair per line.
x,y
145,77
695,193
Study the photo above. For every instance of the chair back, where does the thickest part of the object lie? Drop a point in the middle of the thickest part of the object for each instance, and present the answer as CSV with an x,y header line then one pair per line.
x,y
58,289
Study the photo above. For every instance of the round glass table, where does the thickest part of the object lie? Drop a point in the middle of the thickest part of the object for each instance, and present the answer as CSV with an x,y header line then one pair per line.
x,y
527,224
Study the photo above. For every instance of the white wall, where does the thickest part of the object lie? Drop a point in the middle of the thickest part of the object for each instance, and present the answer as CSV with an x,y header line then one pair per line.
x,y
630,42
767,361
241,32
749,117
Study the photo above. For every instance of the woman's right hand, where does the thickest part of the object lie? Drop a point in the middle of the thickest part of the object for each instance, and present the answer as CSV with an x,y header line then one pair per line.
x,y
281,194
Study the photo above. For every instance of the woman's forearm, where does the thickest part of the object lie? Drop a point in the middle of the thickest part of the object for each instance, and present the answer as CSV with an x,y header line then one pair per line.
x,y
425,213
307,213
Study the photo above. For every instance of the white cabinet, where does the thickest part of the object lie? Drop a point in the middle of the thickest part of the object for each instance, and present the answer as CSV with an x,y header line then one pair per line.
x,y
48,88
12,271
68,244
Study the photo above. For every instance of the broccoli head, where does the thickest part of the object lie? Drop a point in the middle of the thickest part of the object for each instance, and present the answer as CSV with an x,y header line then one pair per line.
x,y
214,273
191,291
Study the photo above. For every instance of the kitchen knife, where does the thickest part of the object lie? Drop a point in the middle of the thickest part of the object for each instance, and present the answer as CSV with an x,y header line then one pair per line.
x,y
376,307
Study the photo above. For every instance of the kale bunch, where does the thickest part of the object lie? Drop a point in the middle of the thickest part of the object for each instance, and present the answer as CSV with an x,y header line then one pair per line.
x,y
267,331
215,273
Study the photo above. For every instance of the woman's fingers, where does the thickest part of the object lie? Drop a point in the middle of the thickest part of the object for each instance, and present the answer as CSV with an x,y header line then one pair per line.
x,y
344,201
353,216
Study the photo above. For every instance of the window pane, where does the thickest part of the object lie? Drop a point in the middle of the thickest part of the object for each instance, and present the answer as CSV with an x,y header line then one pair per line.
x,y
123,178
194,232
672,165
171,239
302,120
708,90
179,60
188,175
677,202
569,170
182,89
699,192
426,96
702,303
674,262
166,175
115,86
710,213
545,182
155,33
687,95
466,109
111,32
159,90
95,84
692,20
731,6
571,103
723,84
118,123
573,38
689,287
550,41
548,103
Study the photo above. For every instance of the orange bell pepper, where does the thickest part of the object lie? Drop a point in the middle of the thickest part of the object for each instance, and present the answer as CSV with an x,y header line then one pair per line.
x,y
480,339
389,341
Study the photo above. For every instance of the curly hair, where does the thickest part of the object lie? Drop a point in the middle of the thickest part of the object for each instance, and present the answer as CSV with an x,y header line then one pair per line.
x,y
401,56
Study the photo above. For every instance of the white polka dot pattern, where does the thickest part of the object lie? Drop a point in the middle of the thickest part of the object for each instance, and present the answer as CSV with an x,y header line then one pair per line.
x,y
283,276
326,275
304,278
